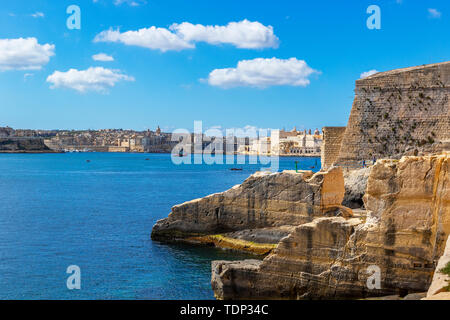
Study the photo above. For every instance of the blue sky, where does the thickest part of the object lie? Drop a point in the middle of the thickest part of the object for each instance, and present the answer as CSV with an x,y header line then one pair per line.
x,y
147,87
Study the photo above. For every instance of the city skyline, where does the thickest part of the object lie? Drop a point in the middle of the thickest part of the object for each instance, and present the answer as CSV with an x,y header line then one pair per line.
x,y
230,64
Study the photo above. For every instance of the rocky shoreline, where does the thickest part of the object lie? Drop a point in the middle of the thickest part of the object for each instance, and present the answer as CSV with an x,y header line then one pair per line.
x,y
344,232
404,234
29,151
260,211
24,145
316,248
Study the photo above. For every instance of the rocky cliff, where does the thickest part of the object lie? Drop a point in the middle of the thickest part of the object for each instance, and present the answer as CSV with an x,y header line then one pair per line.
x,y
440,286
355,187
259,211
402,237
380,233
23,145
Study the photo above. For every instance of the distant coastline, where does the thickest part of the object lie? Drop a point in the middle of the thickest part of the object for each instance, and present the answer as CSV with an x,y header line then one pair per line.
x,y
292,143
29,151
144,152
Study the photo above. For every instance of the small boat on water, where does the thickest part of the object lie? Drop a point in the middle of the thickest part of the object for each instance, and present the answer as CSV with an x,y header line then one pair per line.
x,y
181,154
236,169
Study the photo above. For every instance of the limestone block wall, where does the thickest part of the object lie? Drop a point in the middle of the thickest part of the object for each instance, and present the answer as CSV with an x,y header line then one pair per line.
x,y
332,138
404,111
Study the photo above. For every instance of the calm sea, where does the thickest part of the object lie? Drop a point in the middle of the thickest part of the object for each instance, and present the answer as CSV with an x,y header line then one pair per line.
x,y
58,210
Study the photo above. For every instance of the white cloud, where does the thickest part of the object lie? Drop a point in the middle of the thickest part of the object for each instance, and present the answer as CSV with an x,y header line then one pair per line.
x,y
263,73
37,15
434,13
151,38
24,54
93,79
102,57
368,73
133,3
243,34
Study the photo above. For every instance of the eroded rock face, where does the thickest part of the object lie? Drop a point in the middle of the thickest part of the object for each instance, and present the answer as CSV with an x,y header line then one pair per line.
x,y
299,268
263,200
407,222
441,280
409,199
355,187
14,144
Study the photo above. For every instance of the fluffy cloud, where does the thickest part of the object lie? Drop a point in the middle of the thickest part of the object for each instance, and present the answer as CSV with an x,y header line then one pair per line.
x,y
102,57
38,15
263,73
434,13
93,79
368,73
24,54
133,3
243,34
151,38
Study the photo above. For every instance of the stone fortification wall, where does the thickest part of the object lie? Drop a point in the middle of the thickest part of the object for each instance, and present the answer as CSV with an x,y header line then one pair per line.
x,y
404,111
332,139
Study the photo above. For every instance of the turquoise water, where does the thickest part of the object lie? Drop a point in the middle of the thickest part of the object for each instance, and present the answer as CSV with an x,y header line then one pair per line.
x,y
58,210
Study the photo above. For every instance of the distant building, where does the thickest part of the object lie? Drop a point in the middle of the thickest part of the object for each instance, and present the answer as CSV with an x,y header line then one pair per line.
x,y
6,132
300,143
260,146
118,149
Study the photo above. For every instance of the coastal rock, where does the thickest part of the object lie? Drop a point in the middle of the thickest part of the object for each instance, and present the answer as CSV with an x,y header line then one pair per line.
x,y
402,237
23,145
355,187
300,267
232,276
441,280
264,200
411,296
259,241
439,296
415,296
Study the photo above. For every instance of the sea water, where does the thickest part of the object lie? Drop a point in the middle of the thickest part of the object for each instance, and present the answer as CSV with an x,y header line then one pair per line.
x,y
96,211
